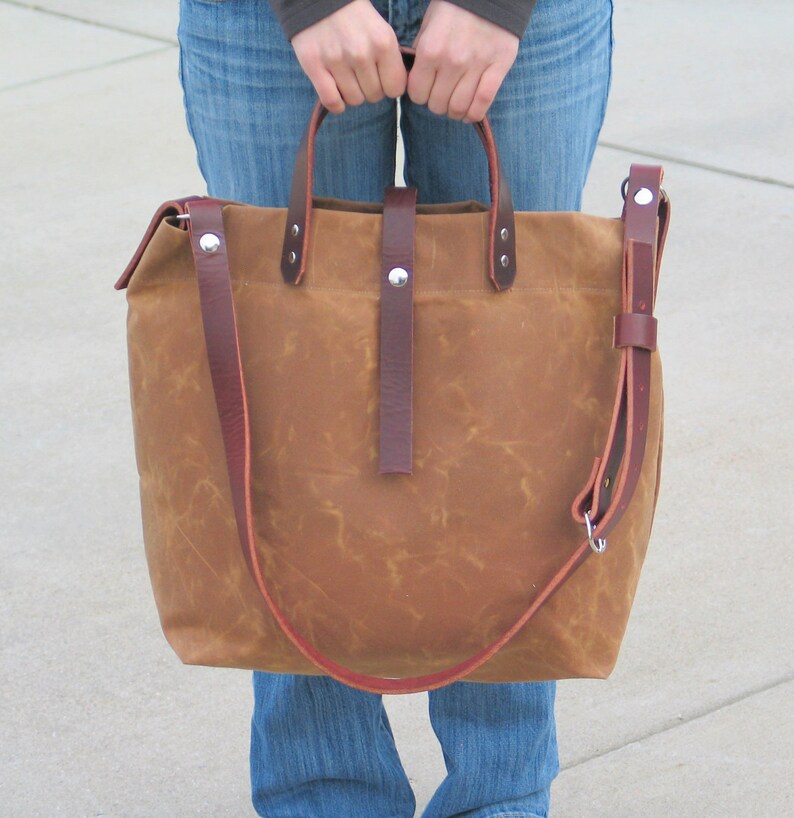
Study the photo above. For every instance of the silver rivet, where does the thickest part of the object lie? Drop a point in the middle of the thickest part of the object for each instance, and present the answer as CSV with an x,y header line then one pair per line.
x,y
504,234
505,261
398,277
292,257
209,243
643,196
295,230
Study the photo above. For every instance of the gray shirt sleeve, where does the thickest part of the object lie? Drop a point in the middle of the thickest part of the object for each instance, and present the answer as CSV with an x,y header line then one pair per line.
x,y
510,14
295,15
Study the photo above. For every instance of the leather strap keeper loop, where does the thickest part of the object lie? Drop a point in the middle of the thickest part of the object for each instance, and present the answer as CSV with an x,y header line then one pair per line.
x,y
635,330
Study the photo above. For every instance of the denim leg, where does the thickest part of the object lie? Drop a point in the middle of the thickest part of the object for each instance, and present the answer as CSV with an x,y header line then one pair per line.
x,y
500,749
320,749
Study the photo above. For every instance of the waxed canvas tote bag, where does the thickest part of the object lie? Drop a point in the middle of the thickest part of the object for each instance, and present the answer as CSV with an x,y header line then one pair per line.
x,y
397,445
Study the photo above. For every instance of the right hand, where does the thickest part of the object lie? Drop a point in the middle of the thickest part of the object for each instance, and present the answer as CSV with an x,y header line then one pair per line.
x,y
351,56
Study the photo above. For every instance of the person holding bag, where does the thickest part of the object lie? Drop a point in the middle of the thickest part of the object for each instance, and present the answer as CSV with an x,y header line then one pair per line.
x,y
251,73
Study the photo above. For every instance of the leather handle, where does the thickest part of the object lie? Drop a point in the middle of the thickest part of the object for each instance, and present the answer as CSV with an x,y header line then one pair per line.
x,y
625,445
501,232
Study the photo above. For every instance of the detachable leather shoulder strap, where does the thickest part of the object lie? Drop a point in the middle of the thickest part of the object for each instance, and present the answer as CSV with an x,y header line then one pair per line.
x,y
615,473
625,444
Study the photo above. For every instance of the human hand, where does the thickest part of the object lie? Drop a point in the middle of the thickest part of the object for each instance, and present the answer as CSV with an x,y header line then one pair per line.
x,y
351,56
461,60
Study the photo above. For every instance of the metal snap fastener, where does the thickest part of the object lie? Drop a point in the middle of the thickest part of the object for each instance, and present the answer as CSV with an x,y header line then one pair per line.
x,y
295,230
292,257
398,277
505,234
209,243
643,196
505,261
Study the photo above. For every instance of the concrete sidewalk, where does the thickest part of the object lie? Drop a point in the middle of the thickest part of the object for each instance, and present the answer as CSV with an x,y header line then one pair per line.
x,y
97,716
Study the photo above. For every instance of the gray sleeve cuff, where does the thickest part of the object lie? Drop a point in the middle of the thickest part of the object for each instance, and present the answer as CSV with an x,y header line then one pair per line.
x,y
295,15
510,14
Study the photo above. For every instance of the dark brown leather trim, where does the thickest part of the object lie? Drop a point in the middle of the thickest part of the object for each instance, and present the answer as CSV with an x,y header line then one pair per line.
x,y
396,332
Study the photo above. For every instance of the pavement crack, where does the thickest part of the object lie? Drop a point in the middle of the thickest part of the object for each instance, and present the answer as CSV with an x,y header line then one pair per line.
x,y
85,69
85,20
737,174
693,717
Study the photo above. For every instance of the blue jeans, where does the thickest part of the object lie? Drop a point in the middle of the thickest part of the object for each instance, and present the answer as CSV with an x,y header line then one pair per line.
x,y
320,749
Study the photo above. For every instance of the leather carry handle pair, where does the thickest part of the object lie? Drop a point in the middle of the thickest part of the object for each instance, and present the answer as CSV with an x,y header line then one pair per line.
x,y
645,228
501,229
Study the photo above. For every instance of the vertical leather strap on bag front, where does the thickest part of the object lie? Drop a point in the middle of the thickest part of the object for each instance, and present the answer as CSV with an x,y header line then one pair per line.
x,y
396,330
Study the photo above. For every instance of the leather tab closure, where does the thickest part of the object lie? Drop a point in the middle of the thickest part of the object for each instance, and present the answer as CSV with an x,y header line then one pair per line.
x,y
396,331
635,330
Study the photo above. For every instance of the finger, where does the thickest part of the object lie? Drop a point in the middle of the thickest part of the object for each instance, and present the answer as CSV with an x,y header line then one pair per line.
x,y
347,83
420,80
391,69
444,85
487,88
327,91
462,97
369,81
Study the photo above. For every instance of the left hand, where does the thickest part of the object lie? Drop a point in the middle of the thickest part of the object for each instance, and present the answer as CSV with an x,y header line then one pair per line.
x,y
461,61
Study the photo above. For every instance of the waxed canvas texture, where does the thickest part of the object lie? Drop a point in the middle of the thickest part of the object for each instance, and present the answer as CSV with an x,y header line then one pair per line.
x,y
391,575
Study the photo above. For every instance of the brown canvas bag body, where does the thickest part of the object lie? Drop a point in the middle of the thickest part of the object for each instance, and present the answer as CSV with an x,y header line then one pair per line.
x,y
397,445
